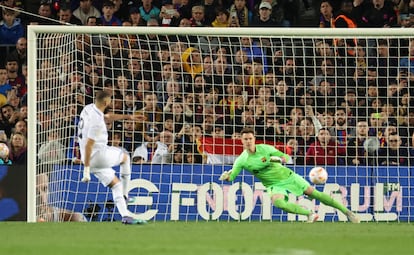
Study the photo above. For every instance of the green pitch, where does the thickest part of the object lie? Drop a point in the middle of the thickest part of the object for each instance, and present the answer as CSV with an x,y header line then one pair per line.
x,y
207,238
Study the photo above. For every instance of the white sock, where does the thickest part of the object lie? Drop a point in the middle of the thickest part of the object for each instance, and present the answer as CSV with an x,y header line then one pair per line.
x,y
119,199
125,175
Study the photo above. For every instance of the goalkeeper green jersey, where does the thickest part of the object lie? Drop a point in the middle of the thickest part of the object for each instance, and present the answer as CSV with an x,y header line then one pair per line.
x,y
258,163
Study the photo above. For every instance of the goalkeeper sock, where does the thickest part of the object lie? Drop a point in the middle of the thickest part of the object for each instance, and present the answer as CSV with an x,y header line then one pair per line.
x,y
290,207
119,199
328,200
125,175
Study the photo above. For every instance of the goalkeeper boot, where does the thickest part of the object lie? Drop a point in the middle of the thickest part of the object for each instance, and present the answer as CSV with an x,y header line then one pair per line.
x,y
352,217
128,220
312,217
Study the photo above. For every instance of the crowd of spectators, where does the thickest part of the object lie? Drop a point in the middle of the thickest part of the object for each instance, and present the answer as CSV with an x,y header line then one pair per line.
x,y
322,97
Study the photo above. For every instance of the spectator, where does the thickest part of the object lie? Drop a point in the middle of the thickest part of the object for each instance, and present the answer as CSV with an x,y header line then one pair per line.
x,y
151,111
407,62
135,17
46,16
326,95
21,127
386,131
341,130
222,74
198,16
254,76
171,92
164,148
180,117
108,18
344,18
20,53
148,11
356,154
86,10
277,13
18,148
184,22
238,10
130,137
377,123
385,61
210,7
264,19
4,157
326,14
327,71
52,151
306,135
11,28
405,20
66,17
14,101
222,18
8,118
324,151
292,74
378,13
169,16
192,61
394,154
145,152
91,21
184,8
5,87
254,52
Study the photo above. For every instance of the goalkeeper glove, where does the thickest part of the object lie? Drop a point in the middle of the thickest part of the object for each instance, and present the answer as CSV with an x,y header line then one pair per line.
x,y
86,174
225,176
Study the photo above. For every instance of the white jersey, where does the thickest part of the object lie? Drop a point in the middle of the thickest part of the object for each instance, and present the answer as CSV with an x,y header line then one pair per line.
x,y
92,126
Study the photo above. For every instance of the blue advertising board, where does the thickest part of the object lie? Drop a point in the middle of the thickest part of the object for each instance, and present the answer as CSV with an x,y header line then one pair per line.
x,y
193,192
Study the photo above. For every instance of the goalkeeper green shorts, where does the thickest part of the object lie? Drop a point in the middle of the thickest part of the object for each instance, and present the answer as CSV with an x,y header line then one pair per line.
x,y
295,184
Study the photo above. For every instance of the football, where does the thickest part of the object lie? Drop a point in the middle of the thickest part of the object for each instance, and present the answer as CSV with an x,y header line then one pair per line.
x,y
318,175
4,151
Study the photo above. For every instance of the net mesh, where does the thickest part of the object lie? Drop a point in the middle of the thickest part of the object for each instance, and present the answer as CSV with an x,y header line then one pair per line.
x,y
317,99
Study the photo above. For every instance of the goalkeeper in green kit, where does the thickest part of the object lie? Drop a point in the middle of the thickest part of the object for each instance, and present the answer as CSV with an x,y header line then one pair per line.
x,y
265,162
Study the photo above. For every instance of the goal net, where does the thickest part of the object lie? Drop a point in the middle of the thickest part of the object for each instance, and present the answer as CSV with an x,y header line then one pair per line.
x,y
340,99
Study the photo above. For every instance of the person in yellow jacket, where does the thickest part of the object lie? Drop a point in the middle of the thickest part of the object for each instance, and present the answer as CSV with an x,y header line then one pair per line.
x,y
192,61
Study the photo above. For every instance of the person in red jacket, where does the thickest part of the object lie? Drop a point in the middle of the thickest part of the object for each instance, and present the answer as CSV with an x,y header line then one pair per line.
x,y
324,151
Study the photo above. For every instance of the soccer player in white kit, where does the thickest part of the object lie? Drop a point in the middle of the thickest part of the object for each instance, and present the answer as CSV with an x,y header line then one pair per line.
x,y
99,158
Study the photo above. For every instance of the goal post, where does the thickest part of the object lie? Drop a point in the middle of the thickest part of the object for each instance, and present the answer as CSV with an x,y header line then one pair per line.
x,y
280,81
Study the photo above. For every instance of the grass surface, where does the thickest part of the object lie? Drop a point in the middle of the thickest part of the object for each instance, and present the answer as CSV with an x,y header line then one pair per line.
x,y
207,238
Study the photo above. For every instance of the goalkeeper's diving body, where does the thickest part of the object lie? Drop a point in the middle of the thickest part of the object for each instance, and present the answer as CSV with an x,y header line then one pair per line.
x,y
265,162
99,158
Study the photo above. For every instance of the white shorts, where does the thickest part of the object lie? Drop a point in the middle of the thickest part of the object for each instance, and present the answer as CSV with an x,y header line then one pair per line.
x,y
102,162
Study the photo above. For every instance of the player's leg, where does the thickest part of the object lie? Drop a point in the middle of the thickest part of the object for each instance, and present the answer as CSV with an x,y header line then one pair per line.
x,y
107,177
113,156
296,185
125,173
278,194
279,200
325,199
328,200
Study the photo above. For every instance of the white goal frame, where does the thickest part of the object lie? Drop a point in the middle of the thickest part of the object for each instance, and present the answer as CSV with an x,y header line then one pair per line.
x,y
33,30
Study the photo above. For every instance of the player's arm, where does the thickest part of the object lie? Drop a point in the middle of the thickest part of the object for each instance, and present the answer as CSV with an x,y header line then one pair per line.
x,y
87,161
110,117
232,174
279,157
